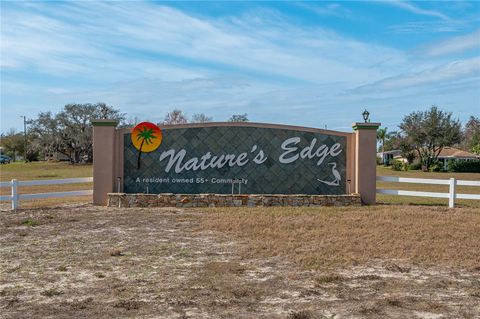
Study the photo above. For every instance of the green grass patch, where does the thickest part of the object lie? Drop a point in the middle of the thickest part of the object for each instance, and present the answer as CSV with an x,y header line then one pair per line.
x,y
43,170
30,222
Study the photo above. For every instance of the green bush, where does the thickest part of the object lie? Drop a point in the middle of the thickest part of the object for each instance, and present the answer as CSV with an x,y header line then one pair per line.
x,y
450,164
436,167
415,166
464,166
397,165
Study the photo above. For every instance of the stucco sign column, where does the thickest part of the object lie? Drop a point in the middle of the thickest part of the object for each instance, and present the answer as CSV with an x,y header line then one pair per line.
x,y
365,161
103,159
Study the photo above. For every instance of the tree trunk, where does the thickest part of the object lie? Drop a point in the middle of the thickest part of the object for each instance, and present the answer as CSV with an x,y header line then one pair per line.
x,y
140,154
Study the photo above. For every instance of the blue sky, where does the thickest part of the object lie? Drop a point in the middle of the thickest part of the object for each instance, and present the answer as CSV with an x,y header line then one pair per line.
x,y
304,63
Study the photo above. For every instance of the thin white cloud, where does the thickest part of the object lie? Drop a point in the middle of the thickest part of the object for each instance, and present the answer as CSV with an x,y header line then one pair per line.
x,y
417,10
457,44
331,9
448,72
417,27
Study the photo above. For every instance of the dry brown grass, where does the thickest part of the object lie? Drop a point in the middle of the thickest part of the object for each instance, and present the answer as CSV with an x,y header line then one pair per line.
x,y
332,237
99,262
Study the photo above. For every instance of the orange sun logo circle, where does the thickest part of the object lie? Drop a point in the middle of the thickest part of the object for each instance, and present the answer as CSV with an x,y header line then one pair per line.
x,y
146,137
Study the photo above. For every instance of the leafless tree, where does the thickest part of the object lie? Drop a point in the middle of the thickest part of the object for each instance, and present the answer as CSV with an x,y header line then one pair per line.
x,y
175,117
201,118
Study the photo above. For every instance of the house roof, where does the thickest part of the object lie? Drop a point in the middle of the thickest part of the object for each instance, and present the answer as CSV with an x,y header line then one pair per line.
x,y
453,152
390,152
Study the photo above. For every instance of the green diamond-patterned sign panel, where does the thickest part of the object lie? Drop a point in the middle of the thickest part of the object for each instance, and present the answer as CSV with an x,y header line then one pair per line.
x,y
257,160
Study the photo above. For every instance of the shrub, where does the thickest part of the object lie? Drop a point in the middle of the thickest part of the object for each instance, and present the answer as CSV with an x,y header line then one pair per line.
x,y
464,166
436,167
415,166
397,165
32,156
451,165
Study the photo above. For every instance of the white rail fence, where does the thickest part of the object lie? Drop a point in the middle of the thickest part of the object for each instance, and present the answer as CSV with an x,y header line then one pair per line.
x,y
452,194
16,197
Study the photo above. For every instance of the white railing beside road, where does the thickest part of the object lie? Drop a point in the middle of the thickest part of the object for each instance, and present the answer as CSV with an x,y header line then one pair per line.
x,y
451,195
15,197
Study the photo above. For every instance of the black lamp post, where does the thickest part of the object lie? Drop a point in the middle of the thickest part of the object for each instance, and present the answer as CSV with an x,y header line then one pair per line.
x,y
365,115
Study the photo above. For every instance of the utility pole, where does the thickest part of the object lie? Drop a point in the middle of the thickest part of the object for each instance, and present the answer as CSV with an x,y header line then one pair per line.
x,y
24,137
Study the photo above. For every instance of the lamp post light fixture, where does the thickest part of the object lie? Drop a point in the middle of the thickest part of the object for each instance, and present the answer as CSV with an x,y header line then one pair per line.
x,y
365,115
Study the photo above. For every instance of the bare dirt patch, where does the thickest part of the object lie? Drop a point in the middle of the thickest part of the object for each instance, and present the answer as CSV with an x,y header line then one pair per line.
x,y
97,262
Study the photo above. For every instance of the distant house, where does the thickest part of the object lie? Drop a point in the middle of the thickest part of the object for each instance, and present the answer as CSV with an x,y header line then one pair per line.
x,y
447,153
387,156
453,153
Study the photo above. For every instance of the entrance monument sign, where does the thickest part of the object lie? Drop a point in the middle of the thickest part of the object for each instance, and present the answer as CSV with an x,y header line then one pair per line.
x,y
262,160
245,158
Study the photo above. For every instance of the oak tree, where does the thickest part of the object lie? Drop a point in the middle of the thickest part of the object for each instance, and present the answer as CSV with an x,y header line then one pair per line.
x,y
429,132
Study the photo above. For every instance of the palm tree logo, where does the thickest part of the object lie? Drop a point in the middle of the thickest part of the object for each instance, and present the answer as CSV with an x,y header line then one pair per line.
x,y
146,137
336,175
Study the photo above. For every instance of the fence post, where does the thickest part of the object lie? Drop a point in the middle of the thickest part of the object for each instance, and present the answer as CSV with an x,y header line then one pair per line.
x,y
452,194
14,194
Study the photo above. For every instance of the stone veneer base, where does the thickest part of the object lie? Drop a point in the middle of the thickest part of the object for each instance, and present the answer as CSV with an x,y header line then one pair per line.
x,y
223,200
